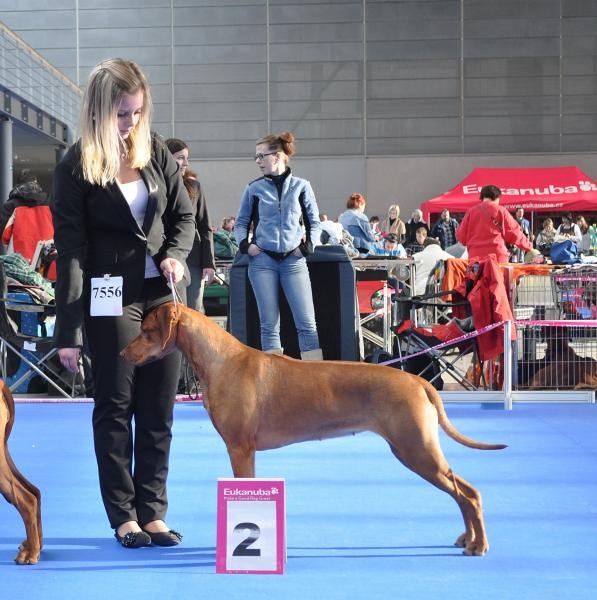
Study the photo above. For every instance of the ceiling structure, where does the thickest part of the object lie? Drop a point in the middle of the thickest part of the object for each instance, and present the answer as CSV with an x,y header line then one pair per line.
x,y
33,150
37,137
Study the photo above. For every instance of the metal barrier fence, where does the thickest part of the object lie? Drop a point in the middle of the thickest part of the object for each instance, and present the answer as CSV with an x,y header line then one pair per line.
x,y
554,357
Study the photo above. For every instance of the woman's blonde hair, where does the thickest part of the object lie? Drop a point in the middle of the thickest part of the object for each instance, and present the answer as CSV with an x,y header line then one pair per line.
x,y
101,144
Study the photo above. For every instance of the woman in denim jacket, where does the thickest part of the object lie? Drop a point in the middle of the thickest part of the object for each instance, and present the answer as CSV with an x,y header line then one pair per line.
x,y
282,211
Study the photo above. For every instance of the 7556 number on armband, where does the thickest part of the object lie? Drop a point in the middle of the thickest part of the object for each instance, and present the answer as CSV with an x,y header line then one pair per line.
x,y
106,296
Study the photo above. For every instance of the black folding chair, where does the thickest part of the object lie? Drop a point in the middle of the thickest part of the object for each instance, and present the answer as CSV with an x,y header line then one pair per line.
x,y
24,339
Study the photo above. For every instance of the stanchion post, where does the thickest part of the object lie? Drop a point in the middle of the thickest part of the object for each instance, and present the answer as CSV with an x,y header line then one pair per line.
x,y
507,365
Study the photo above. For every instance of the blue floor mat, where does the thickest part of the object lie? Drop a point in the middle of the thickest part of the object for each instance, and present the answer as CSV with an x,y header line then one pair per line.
x,y
359,525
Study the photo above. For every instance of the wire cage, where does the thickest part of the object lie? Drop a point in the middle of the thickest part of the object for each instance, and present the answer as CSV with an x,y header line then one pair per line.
x,y
575,292
555,356
534,298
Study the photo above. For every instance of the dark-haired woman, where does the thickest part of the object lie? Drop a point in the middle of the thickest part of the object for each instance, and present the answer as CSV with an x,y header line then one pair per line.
x,y
278,206
201,259
488,228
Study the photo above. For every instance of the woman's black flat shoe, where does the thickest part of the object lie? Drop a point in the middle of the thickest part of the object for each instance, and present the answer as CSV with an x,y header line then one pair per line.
x,y
165,538
133,539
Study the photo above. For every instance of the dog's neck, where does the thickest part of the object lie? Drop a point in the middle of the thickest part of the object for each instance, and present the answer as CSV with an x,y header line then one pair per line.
x,y
203,342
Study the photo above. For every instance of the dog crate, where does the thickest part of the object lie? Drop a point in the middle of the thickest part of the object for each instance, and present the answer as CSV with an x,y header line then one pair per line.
x,y
555,356
534,298
575,292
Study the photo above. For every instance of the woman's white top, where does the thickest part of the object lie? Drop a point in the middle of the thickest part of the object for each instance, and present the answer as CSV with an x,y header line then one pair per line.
x,y
135,193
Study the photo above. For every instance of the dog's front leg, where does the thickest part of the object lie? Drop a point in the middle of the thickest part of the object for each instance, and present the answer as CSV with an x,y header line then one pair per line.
x,y
242,461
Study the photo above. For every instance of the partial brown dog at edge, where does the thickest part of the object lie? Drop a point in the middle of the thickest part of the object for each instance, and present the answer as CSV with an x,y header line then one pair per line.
x,y
260,401
16,489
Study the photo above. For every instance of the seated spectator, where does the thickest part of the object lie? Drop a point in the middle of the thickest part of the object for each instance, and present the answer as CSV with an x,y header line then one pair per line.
x,y
545,237
412,226
356,223
333,233
375,228
568,229
420,236
225,245
425,262
388,247
228,224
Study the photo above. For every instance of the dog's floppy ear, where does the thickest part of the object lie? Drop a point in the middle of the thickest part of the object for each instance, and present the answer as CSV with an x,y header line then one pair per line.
x,y
167,315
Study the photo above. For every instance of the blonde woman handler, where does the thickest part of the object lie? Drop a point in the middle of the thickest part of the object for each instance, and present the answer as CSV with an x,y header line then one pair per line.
x,y
120,210
277,206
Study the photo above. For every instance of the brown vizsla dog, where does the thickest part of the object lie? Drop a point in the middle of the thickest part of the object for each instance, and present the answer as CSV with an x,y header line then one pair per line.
x,y
259,401
16,489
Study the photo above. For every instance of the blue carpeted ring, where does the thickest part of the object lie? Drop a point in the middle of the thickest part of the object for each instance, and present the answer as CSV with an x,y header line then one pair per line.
x,y
359,525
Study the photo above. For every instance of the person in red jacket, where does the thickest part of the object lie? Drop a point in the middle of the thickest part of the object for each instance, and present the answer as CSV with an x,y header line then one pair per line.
x,y
489,228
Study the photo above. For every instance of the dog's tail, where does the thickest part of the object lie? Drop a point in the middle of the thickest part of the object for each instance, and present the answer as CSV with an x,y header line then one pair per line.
x,y
447,426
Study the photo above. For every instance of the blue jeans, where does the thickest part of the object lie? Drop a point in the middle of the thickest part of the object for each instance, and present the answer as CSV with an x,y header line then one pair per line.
x,y
267,275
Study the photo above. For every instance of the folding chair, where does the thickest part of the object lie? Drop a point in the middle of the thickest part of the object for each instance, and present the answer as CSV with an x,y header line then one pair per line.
x,y
24,338
482,295
432,362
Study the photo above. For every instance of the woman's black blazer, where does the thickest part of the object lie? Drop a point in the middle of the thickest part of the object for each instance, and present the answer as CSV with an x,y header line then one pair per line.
x,y
96,234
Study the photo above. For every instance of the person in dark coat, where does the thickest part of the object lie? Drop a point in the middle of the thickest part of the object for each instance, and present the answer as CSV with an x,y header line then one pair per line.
x,y
200,261
27,192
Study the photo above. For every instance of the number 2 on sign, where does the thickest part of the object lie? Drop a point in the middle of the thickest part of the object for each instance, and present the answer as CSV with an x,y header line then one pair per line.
x,y
243,548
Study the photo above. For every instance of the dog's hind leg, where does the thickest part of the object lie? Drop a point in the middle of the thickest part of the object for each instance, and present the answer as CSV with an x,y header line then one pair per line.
x,y
26,499
427,460
29,506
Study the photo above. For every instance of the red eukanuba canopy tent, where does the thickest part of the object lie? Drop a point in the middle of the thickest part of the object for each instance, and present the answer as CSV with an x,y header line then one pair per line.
x,y
536,189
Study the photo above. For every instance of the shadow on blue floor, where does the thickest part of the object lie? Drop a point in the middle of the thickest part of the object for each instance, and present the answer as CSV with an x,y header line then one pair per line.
x,y
359,525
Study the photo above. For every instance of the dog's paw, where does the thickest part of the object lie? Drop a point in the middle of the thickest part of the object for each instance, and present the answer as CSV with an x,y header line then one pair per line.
x,y
472,547
26,555
476,550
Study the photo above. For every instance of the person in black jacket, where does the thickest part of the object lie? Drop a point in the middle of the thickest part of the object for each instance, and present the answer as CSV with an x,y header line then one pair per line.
x,y
445,230
123,229
201,259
